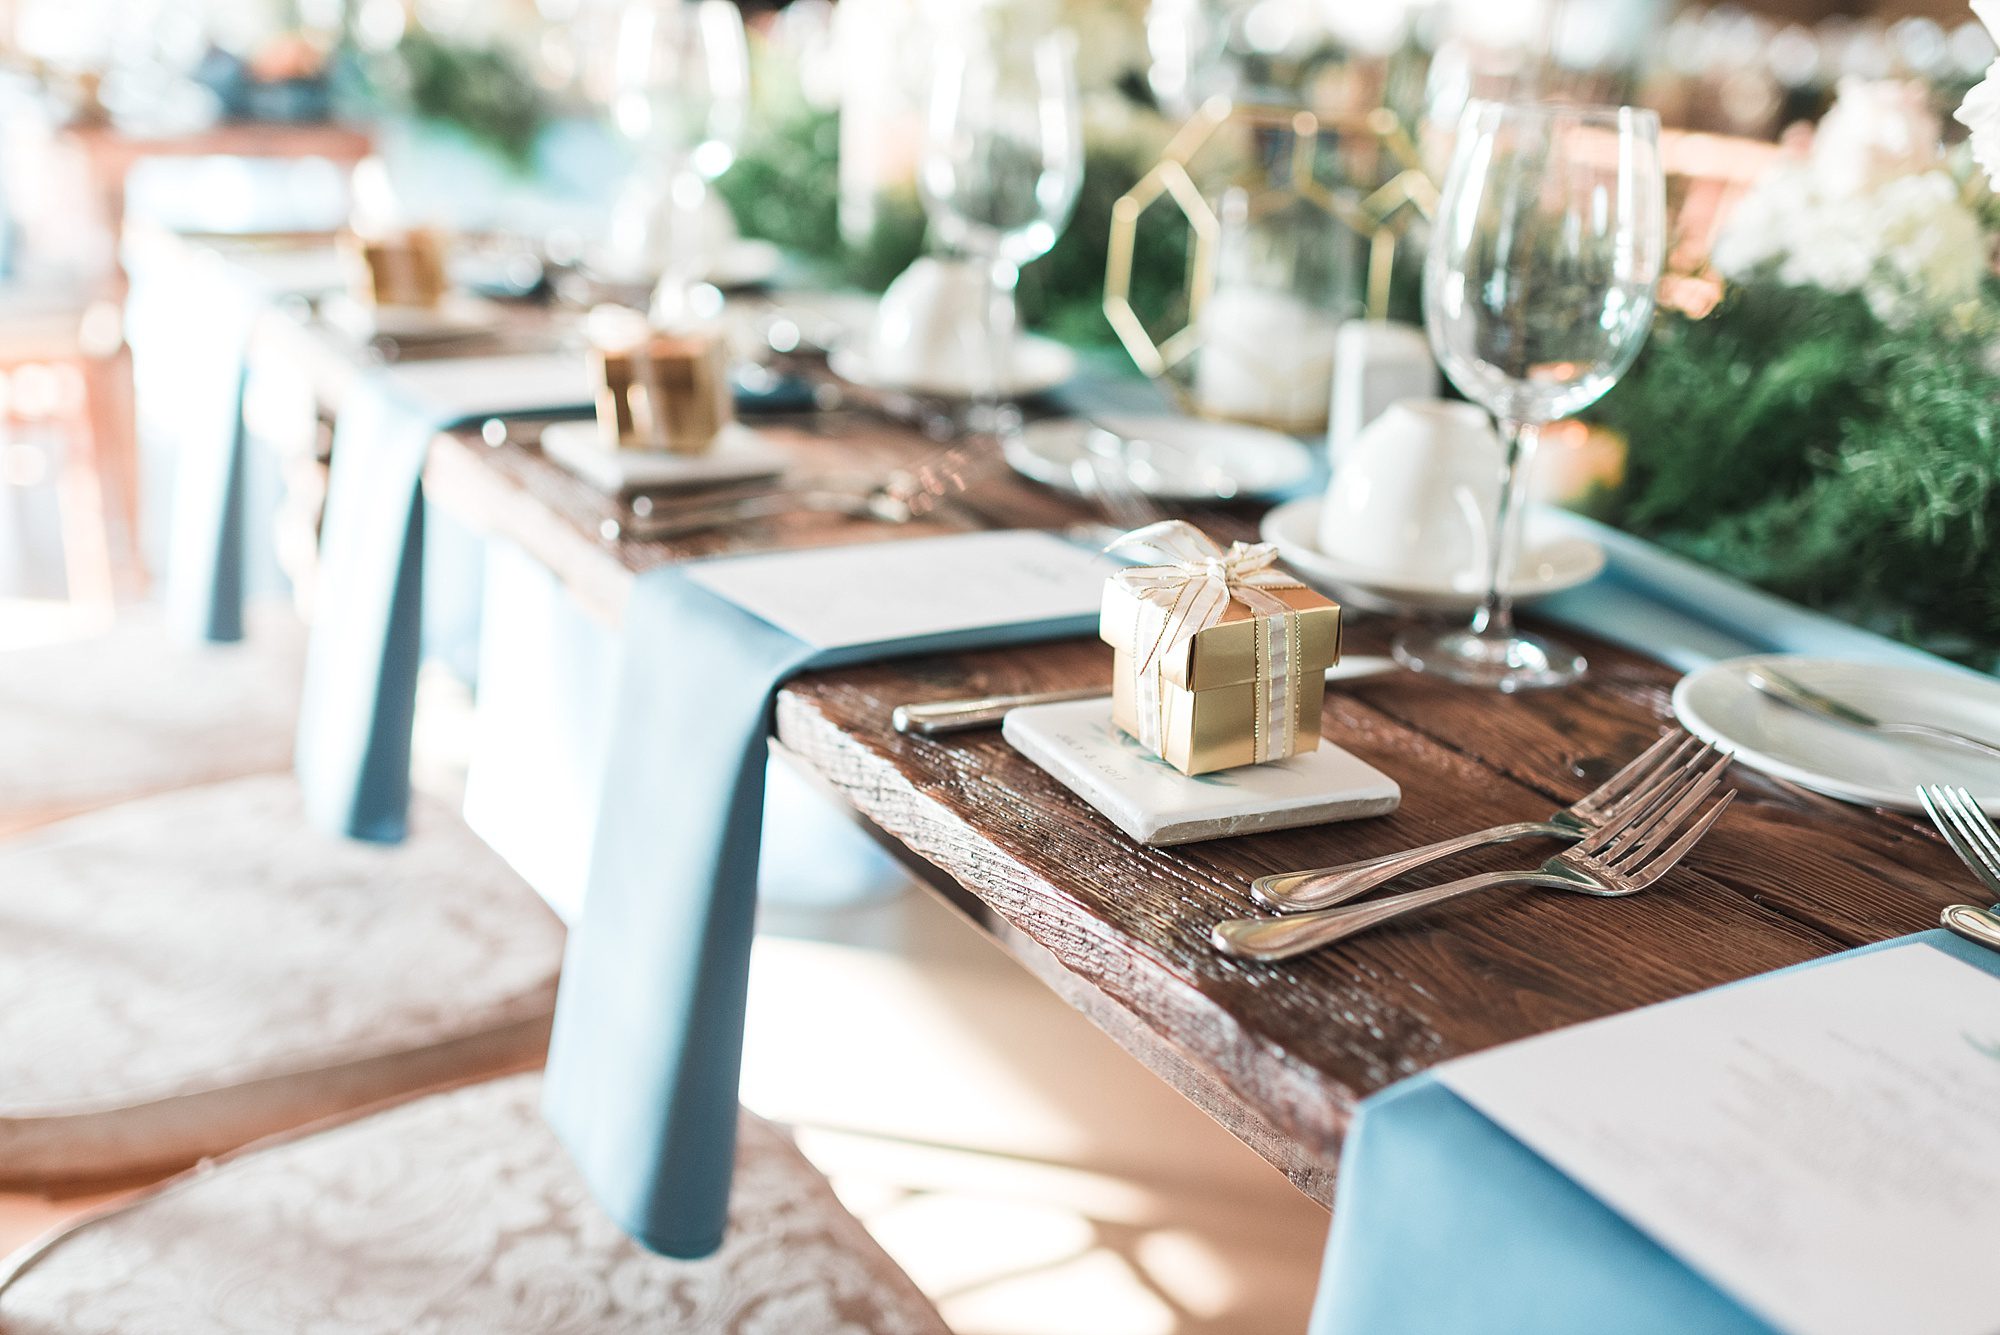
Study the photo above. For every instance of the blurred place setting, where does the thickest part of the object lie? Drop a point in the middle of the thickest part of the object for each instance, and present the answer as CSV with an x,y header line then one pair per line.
x,y
1023,667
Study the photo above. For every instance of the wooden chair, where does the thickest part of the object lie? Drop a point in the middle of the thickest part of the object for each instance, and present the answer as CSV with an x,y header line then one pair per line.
x,y
186,973
65,370
135,712
1706,175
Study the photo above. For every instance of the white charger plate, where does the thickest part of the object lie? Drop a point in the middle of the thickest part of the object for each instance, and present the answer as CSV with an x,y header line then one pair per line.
x,y
740,454
458,315
1718,705
1169,458
1550,562
1040,365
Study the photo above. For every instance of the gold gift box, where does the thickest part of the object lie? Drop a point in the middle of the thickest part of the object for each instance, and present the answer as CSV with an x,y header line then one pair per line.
x,y
402,270
1210,685
664,392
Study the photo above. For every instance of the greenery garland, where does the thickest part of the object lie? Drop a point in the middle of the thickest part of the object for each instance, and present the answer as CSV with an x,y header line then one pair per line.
x,y
785,187
1792,439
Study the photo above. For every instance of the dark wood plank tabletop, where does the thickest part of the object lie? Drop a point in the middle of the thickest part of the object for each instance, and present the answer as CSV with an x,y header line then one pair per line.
x,y
1278,1053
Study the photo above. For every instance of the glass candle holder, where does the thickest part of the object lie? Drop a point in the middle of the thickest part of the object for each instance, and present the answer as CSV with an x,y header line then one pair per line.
x,y
1287,276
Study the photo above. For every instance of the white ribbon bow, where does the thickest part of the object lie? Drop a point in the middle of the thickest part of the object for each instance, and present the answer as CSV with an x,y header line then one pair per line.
x,y
1197,581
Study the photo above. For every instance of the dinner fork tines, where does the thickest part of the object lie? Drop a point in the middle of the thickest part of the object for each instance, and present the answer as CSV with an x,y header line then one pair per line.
x,y
1621,857
1323,887
1964,825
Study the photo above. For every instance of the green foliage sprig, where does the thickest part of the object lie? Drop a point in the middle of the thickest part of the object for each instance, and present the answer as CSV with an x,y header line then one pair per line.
x,y
1792,439
485,91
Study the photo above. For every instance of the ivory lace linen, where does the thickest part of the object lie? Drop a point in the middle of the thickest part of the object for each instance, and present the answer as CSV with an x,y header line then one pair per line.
x,y
456,1213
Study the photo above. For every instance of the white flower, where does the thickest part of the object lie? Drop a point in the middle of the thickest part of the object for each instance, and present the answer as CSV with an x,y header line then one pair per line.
x,y
1932,253
1980,112
1876,131
1760,227
1910,247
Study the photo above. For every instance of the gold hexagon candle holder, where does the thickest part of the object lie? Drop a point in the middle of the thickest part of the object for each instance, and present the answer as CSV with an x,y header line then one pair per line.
x,y
1378,219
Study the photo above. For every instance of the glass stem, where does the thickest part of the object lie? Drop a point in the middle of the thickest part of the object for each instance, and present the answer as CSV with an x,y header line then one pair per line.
x,y
1002,278
1495,619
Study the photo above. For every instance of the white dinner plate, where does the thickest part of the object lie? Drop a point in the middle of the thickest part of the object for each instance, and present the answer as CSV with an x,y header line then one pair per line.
x,y
457,316
1169,458
1550,562
740,454
1040,365
1718,704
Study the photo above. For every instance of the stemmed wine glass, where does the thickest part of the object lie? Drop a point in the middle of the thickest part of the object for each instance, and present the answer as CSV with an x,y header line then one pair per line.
x,y
1001,168
1538,293
680,89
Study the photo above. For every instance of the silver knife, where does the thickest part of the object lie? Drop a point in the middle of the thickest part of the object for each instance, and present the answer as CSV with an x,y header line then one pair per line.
x,y
1788,691
985,711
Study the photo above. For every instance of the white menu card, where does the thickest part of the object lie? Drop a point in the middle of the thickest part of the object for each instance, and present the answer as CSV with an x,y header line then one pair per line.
x,y
1820,1144
882,592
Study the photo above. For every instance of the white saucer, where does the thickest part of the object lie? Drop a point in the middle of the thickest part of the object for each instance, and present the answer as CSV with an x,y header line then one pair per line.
x,y
746,262
739,454
1718,704
458,315
1040,365
1550,563
1169,458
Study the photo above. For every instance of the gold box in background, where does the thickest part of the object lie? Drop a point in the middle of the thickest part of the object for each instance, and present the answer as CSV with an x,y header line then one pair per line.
x,y
666,392
407,269
1210,686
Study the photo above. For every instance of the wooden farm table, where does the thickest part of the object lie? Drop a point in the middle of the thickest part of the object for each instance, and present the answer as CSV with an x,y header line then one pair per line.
x,y
1279,1054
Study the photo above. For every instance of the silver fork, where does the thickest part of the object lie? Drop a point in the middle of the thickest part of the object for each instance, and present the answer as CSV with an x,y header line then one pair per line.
x,y
1966,827
1621,857
903,496
1323,887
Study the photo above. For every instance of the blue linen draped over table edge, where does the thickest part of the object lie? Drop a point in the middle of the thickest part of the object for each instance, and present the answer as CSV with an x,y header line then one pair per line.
x,y
646,1051
1444,1224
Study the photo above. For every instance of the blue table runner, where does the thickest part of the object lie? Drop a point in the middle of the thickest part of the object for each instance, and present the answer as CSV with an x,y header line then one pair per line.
x,y
1444,1224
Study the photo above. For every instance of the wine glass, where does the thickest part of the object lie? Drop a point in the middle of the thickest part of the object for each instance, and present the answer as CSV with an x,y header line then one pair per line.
x,y
680,89
1002,165
1538,292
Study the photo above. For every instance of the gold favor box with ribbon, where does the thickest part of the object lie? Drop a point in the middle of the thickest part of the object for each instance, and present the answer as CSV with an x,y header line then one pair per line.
x,y
1221,658
406,269
663,391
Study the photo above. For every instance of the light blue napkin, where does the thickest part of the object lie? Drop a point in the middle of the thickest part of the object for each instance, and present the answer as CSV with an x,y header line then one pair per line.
x,y
643,1065
1443,1224
204,574
1689,616
359,698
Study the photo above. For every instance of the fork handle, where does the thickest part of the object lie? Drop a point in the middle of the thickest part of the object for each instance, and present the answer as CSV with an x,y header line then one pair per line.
x,y
1270,939
1323,887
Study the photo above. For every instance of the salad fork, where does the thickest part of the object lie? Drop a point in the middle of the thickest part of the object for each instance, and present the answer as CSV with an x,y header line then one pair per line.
x,y
1621,857
1323,887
